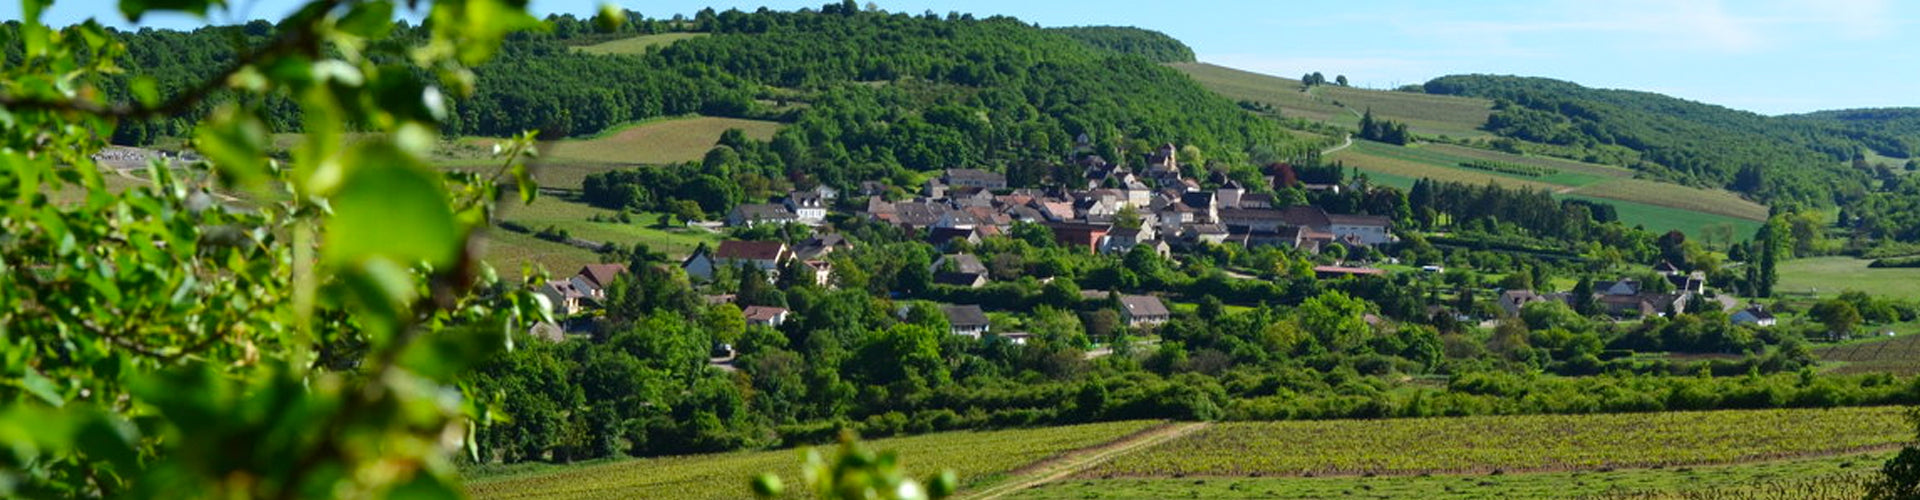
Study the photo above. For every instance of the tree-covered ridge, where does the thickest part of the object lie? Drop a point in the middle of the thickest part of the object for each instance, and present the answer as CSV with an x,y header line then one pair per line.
x,y
869,91
1770,159
1887,131
1153,45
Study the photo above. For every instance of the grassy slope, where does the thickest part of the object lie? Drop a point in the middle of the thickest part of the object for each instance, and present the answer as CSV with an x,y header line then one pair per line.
x,y
656,142
572,216
1832,275
636,45
1833,477
508,251
1280,92
1424,114
978,457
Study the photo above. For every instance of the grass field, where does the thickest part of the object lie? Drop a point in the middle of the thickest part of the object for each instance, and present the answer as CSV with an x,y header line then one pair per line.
x,y
636,45
1832,477
978,457
1832,275
1482,445
572,216
1660,219
656,142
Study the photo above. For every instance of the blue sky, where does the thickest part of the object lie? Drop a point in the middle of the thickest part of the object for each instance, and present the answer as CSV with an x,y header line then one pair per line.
x,y
1768,56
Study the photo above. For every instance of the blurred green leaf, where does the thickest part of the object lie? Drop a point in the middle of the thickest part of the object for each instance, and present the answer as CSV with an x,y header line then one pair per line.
x,y
368,20
105,437
389,206
236,143
146,90
42,387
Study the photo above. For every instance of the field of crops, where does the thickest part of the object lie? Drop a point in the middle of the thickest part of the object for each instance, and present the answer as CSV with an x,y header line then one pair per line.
x,y
1510,443
1822,478
574,217
978,457
1711,201
1661,219
1898,355
1424,114
1279,92
638,44
507,250
1832,275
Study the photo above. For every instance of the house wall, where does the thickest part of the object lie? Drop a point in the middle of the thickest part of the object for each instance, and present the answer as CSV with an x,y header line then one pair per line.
x,y
1368,235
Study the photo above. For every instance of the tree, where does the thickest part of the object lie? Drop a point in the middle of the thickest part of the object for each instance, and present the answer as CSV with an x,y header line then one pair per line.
x,y
340,306
1839,316
1335,319
1340,80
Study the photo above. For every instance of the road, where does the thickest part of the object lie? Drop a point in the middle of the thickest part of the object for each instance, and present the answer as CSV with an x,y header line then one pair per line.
x,y
1344,145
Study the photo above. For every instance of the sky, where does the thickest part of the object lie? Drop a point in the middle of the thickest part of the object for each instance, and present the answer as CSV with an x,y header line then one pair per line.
x,y
1766,56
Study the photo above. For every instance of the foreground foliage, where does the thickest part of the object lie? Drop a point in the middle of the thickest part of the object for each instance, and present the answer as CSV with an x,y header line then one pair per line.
x,y
163,341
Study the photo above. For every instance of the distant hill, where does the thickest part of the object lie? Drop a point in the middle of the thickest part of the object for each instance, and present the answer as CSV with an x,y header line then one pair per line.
x,y
1892,132
1770,158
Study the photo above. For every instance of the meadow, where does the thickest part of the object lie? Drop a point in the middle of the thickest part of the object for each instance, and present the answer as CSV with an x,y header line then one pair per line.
x,y
636,45
1827,276
1820,478
1282,93
979,458
1509,444
658,141
508,252
573,216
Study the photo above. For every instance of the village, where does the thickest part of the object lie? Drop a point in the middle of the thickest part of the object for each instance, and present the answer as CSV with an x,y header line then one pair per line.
x,y
1114,211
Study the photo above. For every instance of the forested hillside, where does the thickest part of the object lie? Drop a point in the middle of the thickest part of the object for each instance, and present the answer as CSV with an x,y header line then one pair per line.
x,y
869,92
1771,159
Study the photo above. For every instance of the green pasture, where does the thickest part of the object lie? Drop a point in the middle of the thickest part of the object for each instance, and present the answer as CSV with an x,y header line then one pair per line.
x,y
636,45
1827,276
677,241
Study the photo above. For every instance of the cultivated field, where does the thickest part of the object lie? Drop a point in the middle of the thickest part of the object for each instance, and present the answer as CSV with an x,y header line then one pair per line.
x,y
1483,445
978,457
573,217
1424,114
507,251
1832,275
1658,206
636,45
656,142
1898,355
1281,93
1823,478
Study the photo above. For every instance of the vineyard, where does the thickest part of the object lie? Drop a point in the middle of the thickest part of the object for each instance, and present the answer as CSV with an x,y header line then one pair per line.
x,y
1509,168
1899,355
978,458
1510,443
1818,478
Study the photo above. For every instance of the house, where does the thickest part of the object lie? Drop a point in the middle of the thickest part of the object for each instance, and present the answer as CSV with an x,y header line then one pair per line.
x,y
820,245
959,263
1513,301
1141,311
1755,315
1016,338
1625,287
873,188
1644,304
959,279
1206,233
765,315
822,272
1367,230
807,206
763,255
565,298
594,279
1254,220
949,237
1086,236
1695,282
1121,240
973,177
753,214
966,320
1205,206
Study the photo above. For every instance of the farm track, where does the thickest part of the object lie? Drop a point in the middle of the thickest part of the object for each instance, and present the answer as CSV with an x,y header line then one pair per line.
x,y
1071,463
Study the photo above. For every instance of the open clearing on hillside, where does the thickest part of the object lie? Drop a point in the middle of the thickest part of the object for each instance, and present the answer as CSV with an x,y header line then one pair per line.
x,y
978,457
636,45
1826,276
507,251
573,216
1821,478
1424,114
1470,445
1281,93
655,142
1657,206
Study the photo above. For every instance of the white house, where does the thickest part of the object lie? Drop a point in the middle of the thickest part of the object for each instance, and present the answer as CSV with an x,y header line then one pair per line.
x,y
966,320
1754,315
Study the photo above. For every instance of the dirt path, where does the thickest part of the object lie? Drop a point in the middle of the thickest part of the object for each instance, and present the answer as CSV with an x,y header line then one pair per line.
x,y
1335,149
1075,462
